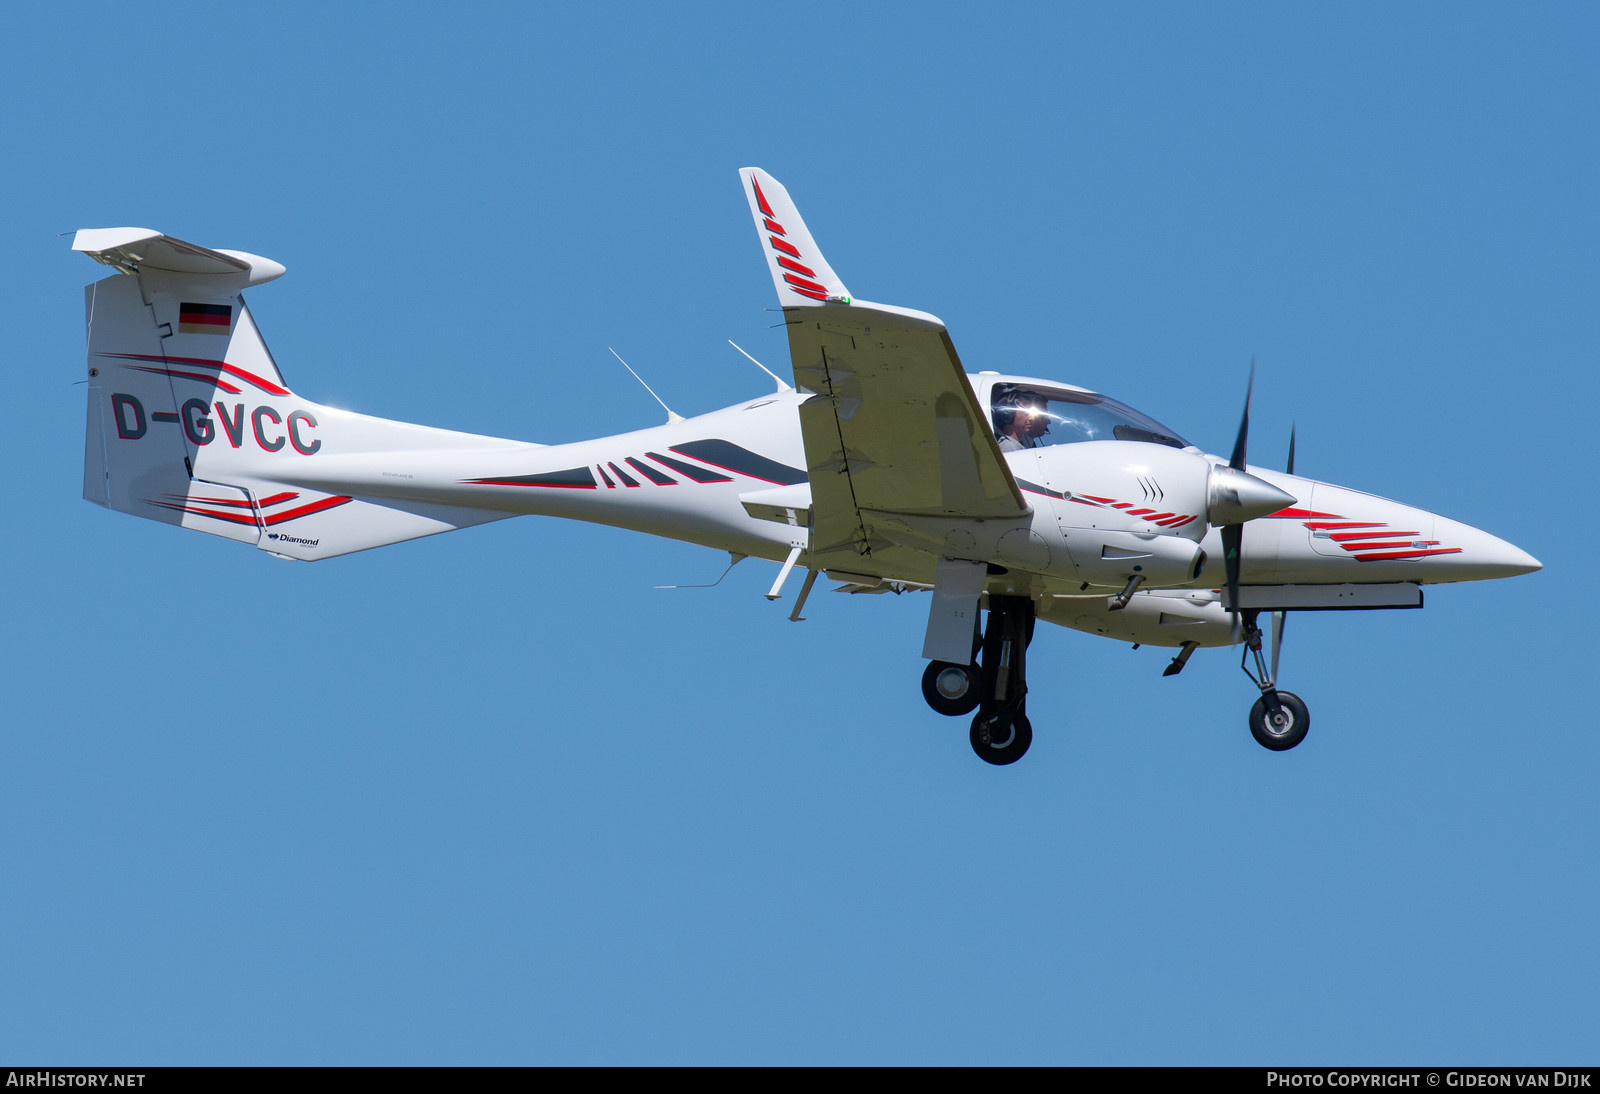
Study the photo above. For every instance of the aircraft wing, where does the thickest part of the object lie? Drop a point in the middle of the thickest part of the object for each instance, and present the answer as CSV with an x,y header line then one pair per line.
x,y
898,450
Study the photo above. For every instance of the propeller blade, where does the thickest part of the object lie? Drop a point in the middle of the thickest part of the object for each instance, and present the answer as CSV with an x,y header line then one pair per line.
x,y
1233,534
1237,461
1279,620
1232,540
1290,468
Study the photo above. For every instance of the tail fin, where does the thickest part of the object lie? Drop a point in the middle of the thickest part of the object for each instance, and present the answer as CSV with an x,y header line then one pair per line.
x,y
190,421
802,276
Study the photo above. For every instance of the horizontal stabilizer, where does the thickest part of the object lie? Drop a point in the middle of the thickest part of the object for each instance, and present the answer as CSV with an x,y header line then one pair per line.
x,y
303,524
134,249
307,525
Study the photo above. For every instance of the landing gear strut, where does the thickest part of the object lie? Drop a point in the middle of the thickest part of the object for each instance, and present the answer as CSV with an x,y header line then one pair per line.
x,y
1279,720
1001,732
994,684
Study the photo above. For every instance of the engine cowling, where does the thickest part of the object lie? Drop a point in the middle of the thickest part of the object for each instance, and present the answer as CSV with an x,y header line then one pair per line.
x,y
1127,508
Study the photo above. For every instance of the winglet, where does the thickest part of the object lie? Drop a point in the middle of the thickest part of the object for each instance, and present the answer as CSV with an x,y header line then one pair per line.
x,y
800,273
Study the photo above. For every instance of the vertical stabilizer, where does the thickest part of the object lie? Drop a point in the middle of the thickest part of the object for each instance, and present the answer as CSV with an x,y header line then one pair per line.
x,y
190,422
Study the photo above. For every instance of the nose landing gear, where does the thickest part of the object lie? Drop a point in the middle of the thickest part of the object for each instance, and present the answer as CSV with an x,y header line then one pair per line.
x,y
1279,720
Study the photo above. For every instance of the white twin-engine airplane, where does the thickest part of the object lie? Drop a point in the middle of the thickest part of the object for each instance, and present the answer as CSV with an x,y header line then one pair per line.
x,y
886,467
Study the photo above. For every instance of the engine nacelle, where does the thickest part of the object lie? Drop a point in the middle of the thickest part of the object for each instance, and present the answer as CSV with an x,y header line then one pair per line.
x,y
1162,617
1131,486
1125,509
1109,557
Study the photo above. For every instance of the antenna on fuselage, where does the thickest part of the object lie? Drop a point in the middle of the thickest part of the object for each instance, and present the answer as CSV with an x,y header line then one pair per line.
x,y
782,387
672,416
734,558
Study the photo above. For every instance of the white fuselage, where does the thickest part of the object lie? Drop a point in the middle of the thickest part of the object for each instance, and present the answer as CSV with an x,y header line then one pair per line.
x,y
691,480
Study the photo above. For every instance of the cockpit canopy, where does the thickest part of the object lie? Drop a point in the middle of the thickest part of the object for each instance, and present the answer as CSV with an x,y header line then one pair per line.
x,y
1035,416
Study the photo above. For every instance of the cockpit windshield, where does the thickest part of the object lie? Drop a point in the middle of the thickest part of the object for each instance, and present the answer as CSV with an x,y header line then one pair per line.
x,y
1032,416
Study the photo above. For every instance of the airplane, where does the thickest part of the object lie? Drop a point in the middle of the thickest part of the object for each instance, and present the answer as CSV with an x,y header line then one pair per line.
x,y
885,466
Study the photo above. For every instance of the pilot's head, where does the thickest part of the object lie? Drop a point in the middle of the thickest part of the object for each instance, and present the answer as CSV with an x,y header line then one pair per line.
x,y
1020,414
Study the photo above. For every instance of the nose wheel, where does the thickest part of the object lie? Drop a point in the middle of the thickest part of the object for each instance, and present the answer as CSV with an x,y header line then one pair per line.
x,y
1279,720
1283,728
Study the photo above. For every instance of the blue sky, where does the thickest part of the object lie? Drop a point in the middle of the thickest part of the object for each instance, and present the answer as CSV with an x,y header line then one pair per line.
x,y
491,797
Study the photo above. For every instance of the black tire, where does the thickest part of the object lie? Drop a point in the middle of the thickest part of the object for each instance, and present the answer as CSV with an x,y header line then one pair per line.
x,y
941,678
1280,737
1014,737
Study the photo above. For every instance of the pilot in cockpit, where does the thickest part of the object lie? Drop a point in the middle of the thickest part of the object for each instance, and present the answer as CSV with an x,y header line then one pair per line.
x,y
1020,419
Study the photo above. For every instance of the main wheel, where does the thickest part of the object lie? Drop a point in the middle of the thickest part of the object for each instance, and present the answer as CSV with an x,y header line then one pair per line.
x,y
1284,730
997,741
949,688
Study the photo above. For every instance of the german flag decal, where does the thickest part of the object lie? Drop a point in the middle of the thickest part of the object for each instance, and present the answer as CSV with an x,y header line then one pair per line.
x,y
205,318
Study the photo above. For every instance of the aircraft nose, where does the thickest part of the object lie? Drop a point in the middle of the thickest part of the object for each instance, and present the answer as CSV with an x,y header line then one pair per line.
x,y
1484,557
1509,560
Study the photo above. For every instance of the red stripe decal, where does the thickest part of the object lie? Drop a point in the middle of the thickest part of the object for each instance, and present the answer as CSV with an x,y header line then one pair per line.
x,y
1301,514
209,362
307,509
786,248
774,226
223,501
251,378
796,267
808,292
1323,524
1340,537
231,518
1408,554
761,199
802,283
223,384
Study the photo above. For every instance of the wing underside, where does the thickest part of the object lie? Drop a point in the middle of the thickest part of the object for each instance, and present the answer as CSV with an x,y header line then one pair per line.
x,y
898,453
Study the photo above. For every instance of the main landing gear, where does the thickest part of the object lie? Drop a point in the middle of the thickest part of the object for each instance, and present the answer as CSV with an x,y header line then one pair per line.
x,y
1279,720
995,684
